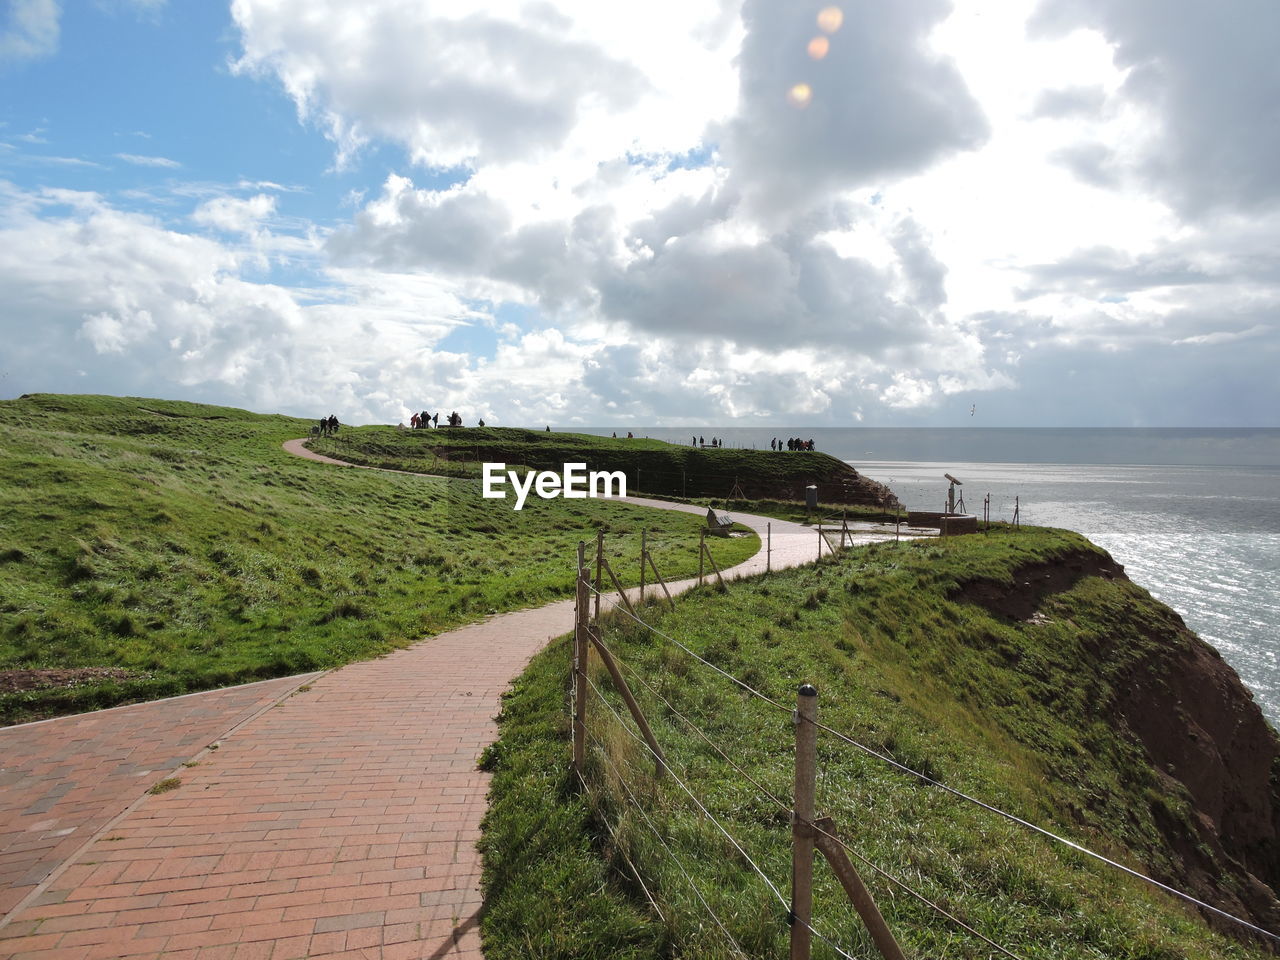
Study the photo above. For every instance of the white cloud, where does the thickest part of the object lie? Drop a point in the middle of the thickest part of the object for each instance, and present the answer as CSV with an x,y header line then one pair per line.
x,y
647,228
1208,78
881,103
144,161
66,161
29,30
234,215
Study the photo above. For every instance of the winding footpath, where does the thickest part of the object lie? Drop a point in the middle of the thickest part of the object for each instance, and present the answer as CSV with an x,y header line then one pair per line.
x,y
326,815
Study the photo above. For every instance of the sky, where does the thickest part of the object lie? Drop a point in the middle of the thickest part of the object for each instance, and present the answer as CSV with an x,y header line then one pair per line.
x,y
683,212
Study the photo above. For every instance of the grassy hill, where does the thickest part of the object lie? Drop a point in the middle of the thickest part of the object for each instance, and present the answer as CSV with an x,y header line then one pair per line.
x,y
651,466
159,547
1021,667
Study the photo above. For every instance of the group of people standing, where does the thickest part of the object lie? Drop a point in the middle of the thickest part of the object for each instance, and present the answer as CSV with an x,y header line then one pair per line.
x,y
699,442
791,443
423,420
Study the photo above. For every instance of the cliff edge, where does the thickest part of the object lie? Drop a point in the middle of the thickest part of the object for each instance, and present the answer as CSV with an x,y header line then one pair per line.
x,y
1205,759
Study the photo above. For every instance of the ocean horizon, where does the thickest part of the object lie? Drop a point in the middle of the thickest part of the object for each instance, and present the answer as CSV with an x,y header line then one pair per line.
x,y
1152,446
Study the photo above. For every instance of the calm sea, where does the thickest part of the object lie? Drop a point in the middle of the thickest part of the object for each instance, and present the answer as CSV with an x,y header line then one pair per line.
x,y
1194,514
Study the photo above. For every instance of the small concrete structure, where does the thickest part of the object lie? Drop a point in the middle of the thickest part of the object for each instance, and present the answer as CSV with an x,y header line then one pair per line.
x,y
955,524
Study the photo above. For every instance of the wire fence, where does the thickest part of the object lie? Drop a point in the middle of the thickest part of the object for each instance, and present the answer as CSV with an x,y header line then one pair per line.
x,y
778,800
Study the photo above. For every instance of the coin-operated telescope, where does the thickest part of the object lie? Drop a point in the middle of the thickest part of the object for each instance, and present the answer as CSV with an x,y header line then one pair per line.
x,y
951,494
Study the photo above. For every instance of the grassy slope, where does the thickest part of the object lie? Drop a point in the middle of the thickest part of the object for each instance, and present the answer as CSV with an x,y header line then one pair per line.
x,y
179,541
652,466
999,709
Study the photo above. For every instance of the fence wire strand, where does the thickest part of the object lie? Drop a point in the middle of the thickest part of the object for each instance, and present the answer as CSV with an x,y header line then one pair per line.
x,y
618,846
670,853
728,676
786,807
777,894
692,796
903,885
1045,833
1048,834
782,804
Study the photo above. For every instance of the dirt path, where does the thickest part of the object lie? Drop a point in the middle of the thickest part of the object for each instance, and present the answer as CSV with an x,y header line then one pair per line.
x,y
337,817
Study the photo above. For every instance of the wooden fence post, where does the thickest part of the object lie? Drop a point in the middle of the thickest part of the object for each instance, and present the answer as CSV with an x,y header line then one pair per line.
x,y
629,699
626,602
581,649
599,570
662,583
712,560
702,536
856,890
768,552
644,552
802,835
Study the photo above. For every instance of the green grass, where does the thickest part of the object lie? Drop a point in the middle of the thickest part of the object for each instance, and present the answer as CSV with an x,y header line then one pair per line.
x,y
180,542
1020,714
651,466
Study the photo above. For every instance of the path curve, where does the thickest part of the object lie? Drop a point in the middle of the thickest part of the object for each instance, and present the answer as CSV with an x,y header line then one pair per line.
x,y
337,816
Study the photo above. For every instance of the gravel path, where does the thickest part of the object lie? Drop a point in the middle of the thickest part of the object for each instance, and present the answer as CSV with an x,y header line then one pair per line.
x,y
337,816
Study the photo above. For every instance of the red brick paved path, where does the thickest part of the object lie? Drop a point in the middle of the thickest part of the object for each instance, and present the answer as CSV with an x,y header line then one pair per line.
x,y
61,781
340,822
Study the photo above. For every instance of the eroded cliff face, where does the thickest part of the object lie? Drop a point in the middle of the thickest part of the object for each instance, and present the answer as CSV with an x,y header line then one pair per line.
x,y
844,486
1197,726
1203,731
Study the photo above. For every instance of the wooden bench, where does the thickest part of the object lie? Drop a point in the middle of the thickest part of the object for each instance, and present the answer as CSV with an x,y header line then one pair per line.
x,y
718,523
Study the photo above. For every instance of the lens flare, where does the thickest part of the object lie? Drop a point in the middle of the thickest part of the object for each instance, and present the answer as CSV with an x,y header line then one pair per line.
x,y
818,47
800,95
829,19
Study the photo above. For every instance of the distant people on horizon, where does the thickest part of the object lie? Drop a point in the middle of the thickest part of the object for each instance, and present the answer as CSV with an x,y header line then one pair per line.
x,y
630,436
480,423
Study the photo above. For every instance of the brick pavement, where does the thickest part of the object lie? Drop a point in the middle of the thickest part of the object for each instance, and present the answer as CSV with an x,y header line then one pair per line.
x,y
64,780
340,822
